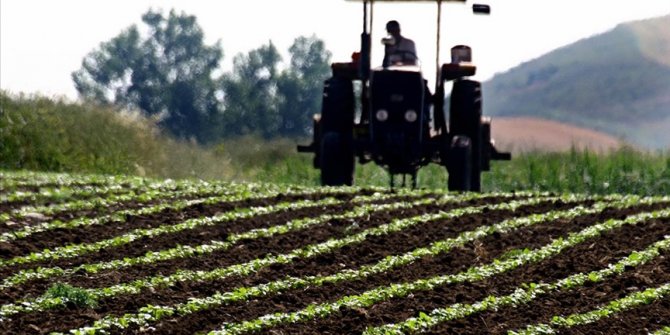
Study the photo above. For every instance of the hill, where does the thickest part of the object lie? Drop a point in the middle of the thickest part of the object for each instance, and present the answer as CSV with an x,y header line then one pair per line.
x,y
617,82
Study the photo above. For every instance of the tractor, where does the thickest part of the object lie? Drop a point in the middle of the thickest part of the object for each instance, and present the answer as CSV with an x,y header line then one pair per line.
x,y
401,125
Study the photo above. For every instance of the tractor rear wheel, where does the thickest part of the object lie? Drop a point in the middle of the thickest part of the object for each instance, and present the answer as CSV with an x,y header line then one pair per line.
x,y
338,106
459,165
337,160
465,116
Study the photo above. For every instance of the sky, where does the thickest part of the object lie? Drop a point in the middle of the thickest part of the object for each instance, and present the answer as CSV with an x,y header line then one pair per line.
x,y
43,41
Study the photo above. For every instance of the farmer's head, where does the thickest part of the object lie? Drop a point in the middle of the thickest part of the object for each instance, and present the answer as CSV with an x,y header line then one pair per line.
x,y
393,28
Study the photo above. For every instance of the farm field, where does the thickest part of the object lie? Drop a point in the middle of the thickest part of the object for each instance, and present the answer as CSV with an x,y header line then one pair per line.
x,y
86,254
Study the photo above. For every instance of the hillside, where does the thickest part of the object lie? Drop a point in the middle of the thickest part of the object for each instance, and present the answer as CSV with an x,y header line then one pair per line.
x,y
617,82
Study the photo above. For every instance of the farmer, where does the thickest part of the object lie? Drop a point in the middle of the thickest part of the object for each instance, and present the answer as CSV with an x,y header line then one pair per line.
x,y
399,49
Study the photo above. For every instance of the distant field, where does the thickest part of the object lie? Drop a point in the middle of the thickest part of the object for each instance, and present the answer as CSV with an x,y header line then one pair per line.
x,y
86,254
523,134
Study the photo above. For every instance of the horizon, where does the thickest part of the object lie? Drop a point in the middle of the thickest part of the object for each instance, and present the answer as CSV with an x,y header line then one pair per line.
x,y
35,60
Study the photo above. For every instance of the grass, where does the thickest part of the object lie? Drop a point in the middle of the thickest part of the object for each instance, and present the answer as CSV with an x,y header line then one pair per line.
x,y
38,133
625,170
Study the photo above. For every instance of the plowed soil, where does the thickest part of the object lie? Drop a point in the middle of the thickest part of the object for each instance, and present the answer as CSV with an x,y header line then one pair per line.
x,y
585,257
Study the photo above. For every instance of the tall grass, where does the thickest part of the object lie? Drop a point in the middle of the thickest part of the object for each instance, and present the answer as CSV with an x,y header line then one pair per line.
x,y
625,170
39,133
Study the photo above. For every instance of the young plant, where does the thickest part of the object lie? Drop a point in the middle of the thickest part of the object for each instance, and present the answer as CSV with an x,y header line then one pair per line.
x,y
71,296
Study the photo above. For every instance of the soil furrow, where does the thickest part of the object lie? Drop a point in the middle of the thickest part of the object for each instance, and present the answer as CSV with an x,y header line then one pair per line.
x,y
70,215
457,260
248,251
642,320
93,233
97,211
588,257
58,237
244,251
142,245
46,201
582,299
349,257
584,257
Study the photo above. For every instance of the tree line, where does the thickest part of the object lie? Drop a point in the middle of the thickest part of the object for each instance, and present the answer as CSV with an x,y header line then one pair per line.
x,y
171,75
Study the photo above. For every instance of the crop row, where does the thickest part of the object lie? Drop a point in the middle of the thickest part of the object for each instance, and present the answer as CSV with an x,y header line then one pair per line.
x,y
628,302
192,232
183,251
75,250
153,313
239,269
190,251
380,294
153,191
184,198
141,195
47,212
662,331
76,188
10,180
529,291
61,193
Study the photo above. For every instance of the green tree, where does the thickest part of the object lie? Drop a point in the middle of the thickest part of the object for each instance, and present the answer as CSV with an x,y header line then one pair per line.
x,y
250,97
300,87
167,74
261,99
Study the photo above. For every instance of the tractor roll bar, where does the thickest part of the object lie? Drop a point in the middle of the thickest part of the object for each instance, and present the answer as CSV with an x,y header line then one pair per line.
x,y
366,44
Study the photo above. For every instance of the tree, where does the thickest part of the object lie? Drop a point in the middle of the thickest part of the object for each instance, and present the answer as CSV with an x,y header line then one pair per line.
x,y
167,74
301,86
260,99
250,97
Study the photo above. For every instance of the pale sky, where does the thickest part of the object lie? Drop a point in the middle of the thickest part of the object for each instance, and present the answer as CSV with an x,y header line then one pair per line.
x,y
43,41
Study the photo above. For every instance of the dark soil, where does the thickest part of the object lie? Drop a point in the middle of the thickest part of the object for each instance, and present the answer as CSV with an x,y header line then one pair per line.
x,y
396,310
38,242
593,255
583,299
371,250
608,249
68,215
245,252
93,233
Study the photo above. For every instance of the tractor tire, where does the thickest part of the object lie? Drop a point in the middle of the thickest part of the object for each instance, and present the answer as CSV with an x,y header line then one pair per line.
x,y
459,166
338,106
337,160
465,115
